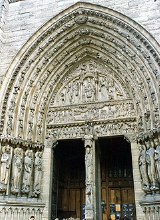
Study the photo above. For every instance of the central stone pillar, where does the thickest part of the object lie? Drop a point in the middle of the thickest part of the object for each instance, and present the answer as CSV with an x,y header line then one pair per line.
x,y
90,177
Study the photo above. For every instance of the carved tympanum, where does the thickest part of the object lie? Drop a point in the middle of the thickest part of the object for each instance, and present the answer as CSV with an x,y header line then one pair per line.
x,y
89,83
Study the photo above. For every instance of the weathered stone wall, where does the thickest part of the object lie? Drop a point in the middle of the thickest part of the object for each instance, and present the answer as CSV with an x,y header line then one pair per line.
x,y
25,17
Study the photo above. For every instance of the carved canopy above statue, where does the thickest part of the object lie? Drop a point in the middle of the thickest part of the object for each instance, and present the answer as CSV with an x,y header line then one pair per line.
x,y
87,56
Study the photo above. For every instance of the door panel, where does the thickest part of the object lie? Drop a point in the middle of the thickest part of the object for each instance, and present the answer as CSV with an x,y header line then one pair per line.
x,y
121,203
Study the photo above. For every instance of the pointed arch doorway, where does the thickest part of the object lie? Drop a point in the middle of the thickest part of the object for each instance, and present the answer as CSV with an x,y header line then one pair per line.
x,y
89,72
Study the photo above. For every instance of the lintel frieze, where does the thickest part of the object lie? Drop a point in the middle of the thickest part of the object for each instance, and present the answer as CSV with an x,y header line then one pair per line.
x,y
93,122
95,128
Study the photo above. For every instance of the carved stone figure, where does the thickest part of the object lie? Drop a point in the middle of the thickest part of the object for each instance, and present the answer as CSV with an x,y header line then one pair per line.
x,y
76,91
28,166
69,94
37,173
143,168
88,162
5,166
111,89
157,159
103,89
17,170
89,90
151,165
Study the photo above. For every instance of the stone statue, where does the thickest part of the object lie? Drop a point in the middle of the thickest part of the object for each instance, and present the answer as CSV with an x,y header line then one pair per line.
x,y
157,159
88,163
37,173
17,170
143,168
151,165
5,165
28,166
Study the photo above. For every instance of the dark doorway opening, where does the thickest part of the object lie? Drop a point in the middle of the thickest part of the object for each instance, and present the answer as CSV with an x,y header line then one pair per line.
x,y
117,188
69,176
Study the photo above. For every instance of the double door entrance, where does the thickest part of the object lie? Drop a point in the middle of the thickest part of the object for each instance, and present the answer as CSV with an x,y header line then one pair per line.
x,y
113,196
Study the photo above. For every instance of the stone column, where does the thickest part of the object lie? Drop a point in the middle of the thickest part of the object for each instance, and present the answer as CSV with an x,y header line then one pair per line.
x,y
137,179
90,177
47,177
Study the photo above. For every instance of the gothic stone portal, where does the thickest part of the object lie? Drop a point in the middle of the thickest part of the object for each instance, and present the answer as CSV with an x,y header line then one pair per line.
x,y
90,72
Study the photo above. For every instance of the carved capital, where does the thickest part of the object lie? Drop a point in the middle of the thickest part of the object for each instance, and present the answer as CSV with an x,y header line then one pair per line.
x,y
131,138
88,139
51,143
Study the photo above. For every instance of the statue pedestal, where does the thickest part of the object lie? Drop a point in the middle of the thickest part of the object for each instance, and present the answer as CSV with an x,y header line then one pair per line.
x,y
150,205
89,212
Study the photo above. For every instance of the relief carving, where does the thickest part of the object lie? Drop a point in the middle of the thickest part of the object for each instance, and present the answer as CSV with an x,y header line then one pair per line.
x,y
105,129
91,85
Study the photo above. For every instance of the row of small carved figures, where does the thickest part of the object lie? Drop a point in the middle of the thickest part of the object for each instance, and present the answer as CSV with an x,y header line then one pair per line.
x,y
22,169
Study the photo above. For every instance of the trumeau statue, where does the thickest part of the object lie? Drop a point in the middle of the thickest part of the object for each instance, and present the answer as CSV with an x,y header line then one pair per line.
x,y
28,166
37,174
5,166
17,167
88,161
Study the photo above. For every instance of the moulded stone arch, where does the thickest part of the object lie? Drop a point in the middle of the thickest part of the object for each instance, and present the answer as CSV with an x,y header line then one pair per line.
x,y
83,31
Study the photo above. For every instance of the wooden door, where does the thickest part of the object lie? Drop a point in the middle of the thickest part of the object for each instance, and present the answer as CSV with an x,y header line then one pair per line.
x,y
121,203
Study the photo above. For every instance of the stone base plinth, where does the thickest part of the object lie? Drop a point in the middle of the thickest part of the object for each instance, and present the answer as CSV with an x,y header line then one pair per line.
x,y
21,209
151,206
89,213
